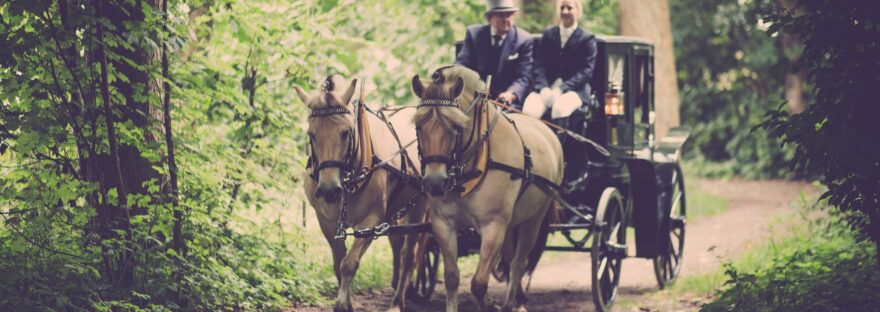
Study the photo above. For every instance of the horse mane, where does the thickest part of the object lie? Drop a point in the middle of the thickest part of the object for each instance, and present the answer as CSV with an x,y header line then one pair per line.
x,y
440,87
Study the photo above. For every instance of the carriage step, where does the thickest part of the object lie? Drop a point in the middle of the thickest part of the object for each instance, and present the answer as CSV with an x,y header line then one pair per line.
x,y
567,226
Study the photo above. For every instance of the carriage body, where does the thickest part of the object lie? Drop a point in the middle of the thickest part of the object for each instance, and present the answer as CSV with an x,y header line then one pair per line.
x,y
637,184
639,167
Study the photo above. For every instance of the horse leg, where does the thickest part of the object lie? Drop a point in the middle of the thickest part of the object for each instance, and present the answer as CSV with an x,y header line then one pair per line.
x,y
348,268
527,235
406,268
492,237
397,242
407,254
447,238
337,247
507,251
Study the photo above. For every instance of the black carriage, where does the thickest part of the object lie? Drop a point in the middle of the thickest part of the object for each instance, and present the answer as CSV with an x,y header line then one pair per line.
x,y
617,177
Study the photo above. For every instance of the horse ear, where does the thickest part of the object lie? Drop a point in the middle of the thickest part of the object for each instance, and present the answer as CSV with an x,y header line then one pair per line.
x,y
303,96
417,86
458,88
346,97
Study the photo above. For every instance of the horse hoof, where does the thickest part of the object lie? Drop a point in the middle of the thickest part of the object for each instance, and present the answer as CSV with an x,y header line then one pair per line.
x,y
395,309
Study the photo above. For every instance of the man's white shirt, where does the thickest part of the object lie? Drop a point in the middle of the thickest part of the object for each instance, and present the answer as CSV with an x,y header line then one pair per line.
x,y
500,41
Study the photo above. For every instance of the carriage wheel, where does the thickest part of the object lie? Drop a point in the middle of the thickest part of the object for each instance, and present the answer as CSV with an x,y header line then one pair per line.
x,y
425,281
667,263
609,248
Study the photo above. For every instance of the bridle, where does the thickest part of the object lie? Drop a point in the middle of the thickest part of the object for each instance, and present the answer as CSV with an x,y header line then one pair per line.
x,y
461,153
347,165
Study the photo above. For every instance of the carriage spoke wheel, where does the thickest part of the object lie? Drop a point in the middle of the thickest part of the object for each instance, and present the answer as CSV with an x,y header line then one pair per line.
x,y
667,263
425,281
609,248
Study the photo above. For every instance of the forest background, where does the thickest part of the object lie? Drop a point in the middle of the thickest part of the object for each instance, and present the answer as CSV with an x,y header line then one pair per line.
x,y
151,152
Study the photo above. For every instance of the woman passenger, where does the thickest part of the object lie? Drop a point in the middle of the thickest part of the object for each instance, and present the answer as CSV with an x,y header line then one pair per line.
x,y
566,57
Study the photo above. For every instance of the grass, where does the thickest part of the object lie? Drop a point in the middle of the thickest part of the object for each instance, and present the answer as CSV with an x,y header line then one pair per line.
x,y
701,204
802,241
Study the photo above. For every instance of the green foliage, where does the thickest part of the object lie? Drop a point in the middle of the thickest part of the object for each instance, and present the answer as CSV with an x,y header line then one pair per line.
x,y
834,138
730,75
66,240
822,269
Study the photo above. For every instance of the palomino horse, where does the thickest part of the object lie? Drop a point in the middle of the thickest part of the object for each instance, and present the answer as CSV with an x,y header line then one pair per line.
x,y
458,129
348,188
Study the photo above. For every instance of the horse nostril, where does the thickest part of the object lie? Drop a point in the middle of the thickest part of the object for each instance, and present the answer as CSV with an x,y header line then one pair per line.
x,y
434,185
330,193
436,191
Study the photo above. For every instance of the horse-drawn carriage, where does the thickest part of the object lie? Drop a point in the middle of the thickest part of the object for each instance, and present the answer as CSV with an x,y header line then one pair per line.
x,y
611,175
617,177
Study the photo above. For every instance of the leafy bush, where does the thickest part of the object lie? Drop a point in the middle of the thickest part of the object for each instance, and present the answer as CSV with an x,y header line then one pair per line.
x,y
825,270
821,275
835,139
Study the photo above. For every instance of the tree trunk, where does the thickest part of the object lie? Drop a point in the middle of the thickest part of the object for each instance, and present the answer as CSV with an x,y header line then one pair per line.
x,y
794,80
125,101
650,19
136,91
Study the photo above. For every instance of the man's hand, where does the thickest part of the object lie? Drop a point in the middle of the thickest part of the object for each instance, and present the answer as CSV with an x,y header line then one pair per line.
x,y
508,96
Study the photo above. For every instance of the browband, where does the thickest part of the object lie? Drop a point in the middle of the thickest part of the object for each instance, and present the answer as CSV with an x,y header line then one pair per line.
x,y
326,111
439,102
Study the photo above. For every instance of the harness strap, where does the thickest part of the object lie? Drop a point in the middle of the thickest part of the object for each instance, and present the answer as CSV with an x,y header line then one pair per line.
x,y
332,164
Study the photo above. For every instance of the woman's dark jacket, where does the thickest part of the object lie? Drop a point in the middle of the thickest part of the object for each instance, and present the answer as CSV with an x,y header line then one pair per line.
x,y
574,63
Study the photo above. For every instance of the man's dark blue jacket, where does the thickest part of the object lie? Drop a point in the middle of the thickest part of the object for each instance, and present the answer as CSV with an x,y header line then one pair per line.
x,y
574,63
513,71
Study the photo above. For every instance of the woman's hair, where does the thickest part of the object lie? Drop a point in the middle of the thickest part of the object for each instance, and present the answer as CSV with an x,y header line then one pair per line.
x,y
577,9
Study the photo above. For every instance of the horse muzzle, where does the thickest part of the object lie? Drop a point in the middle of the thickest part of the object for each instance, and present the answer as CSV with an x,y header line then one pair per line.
x,y
436,184
330,192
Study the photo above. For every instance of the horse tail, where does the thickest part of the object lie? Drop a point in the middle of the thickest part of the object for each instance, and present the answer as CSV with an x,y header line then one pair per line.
x,y
541,241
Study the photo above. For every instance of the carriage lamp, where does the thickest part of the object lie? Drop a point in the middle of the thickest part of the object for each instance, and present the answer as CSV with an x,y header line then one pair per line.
x,y
613,103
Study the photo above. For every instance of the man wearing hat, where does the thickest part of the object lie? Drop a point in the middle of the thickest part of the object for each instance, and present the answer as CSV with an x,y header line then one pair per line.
x,y
501,50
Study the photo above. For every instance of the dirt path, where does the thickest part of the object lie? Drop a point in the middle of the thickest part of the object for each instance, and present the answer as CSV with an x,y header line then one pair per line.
x,y
562,281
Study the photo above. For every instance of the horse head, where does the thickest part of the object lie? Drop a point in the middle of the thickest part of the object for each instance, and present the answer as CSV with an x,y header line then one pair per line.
x,y
331,132
442,121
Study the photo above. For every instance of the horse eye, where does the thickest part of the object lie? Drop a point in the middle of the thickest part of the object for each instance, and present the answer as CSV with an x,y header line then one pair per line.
x,y
345,134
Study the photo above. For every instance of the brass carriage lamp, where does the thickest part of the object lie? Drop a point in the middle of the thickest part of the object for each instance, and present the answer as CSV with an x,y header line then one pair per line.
x,y
614,100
